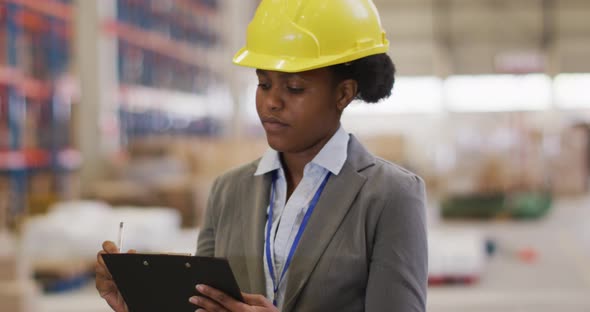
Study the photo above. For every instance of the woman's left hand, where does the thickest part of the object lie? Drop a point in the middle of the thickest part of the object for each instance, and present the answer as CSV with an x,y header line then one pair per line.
x,y
216,300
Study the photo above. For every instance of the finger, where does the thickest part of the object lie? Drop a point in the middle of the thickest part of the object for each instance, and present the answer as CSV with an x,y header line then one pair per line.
x,y
220,297
100,267
99,257
110,247
106,287
132,251
207,304
256,300
102,271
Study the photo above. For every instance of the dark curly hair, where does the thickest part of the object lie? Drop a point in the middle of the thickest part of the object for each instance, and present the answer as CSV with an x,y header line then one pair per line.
x,y
374,74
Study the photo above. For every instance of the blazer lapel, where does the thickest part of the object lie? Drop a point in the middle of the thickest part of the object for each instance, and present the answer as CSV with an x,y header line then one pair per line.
x,y
253,220
333,205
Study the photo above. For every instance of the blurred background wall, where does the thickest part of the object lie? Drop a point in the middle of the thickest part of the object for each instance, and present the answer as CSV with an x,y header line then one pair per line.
x,y
128,109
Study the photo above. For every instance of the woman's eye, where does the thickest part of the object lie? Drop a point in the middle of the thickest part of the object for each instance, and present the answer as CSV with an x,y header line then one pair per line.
x,y
264,86
295,90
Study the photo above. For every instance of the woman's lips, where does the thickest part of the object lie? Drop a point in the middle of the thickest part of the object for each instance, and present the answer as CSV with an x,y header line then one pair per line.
x,y
273,124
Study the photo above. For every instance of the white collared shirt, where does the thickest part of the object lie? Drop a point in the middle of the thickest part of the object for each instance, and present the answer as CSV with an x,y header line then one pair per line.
x,y
288,215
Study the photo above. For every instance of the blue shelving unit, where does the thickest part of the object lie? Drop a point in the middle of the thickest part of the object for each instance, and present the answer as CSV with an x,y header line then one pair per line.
x,y
15,115
30,86
184,25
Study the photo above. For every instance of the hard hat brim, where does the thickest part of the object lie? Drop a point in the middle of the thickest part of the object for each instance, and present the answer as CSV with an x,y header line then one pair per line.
x,y
290,64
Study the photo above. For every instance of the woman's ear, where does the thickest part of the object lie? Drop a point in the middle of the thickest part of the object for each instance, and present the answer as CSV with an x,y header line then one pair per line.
x,y
346,91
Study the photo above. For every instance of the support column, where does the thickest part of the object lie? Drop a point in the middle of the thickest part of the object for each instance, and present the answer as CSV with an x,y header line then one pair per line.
x,y
96,66
236,16
443,63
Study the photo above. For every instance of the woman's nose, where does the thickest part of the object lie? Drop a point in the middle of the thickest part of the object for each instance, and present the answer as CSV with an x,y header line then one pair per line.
x,y
273,99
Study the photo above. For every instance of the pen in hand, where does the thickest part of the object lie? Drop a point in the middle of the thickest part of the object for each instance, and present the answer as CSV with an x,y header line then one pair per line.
x,y
121,224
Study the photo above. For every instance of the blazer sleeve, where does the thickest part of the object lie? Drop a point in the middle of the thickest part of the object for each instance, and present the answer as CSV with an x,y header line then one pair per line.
x,y
398,271
206,240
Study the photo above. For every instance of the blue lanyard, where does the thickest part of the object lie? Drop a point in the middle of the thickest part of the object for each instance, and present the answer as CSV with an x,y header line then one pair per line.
x,y
308,213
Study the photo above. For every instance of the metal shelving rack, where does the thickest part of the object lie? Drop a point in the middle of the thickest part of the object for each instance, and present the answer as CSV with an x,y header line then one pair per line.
x,y
176,39
29,82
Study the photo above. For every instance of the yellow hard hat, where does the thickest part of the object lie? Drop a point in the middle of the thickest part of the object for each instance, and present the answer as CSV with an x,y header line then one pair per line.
x,y
300,35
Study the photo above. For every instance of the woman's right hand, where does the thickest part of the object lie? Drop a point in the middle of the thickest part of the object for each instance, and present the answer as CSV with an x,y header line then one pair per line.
x,y
104,280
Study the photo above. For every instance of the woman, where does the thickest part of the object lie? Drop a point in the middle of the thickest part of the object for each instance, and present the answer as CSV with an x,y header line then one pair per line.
x,y
318,223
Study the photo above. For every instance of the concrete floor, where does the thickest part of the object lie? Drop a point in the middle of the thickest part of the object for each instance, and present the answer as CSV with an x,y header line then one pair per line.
x,y
559,281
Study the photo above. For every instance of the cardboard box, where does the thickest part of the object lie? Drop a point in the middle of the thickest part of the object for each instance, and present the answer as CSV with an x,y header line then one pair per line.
x,y
388,147
9,268
175,172
569,170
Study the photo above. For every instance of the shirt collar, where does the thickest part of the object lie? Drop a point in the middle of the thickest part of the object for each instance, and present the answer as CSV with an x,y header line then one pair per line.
x,y
331,157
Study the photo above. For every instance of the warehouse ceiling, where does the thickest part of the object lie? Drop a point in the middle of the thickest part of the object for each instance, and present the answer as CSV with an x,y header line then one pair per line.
x,y
446,37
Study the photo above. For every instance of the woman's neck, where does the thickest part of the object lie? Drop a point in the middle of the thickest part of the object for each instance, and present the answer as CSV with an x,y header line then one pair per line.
x,y
294,163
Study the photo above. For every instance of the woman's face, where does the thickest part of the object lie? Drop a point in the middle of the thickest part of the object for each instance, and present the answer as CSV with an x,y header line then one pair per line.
x,y
298,110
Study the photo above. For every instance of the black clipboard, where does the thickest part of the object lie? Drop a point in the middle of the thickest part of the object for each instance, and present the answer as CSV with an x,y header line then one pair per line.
x,y
159,283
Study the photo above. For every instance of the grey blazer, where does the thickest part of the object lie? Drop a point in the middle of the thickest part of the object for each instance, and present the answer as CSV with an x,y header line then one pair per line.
x,y
364,248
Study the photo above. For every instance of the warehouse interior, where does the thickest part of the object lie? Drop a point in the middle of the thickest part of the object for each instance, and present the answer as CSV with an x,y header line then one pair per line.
x,y
127,110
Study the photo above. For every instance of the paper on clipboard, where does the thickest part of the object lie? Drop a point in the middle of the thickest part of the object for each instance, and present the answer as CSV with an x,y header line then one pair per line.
x,y
161,283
